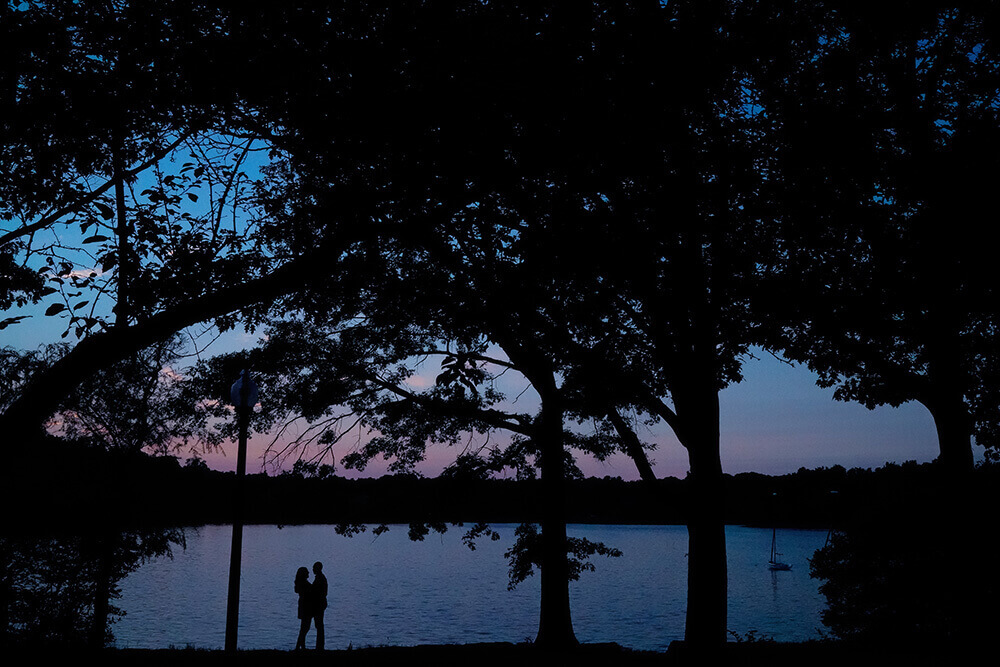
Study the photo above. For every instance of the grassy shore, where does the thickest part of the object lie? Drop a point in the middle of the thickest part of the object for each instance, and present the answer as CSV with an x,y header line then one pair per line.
x,y
772,654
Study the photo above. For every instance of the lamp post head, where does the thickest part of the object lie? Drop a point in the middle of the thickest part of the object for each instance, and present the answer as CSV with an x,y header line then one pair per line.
x,y
244,391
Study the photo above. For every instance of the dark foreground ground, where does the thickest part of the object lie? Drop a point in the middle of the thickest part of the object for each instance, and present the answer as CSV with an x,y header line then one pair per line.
x,y
808,654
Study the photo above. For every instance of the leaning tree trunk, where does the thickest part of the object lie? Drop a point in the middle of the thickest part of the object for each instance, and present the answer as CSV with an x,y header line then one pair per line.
x,y
25,417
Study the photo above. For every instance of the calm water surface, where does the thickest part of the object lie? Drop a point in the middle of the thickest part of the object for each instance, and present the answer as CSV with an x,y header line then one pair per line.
x,y
391,591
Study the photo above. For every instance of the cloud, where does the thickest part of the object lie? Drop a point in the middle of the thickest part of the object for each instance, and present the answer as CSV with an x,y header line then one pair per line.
x,y
77,273
420,381
171,374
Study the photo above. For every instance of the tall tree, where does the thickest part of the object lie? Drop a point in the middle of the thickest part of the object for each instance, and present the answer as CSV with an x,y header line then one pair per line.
x,y
889,133
688,224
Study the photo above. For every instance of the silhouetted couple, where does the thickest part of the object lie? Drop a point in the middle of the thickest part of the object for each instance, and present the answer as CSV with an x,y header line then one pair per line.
x,y
312,603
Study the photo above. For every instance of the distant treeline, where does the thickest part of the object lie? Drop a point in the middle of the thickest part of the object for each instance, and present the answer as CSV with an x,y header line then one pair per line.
x,y
66,487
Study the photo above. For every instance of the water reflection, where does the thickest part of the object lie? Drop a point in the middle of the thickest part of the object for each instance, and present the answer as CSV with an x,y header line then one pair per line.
x,y
390,591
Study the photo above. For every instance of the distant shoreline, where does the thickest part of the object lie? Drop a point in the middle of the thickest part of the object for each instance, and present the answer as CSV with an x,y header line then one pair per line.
x,y
62,488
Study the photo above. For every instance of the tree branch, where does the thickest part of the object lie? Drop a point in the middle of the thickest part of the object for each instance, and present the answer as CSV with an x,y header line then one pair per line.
x,y
49,219
44,392
492,417
632,446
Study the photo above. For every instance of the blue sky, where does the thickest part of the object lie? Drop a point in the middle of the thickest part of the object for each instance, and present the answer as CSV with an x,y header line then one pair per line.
x,y
777,420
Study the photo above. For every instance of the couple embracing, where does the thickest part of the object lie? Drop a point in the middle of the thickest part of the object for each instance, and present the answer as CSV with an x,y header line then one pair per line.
x,y
312,603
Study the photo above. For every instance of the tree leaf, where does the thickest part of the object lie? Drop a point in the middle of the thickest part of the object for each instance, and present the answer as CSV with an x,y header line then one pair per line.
x,y
97,238
55,309
4,323
105,211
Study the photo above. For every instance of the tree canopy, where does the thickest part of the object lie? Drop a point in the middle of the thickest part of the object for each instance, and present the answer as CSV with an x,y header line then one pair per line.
x,y
613,202
888,132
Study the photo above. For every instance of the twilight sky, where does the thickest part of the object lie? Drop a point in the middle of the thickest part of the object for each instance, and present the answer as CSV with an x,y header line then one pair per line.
x,y
774,422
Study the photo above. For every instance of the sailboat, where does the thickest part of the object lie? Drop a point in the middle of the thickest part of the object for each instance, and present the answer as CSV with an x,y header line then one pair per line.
x,y
774,564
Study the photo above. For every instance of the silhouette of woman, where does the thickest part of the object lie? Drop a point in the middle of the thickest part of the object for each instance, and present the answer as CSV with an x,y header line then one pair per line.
x,y
304,589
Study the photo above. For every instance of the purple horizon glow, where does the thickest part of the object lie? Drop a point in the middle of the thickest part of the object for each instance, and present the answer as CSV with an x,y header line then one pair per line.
x,y
774,422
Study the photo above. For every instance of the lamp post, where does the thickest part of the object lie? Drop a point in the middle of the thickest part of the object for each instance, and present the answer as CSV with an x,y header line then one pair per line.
x,y
244,397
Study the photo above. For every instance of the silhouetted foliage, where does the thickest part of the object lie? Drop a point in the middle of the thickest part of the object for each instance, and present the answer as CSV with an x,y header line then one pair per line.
x,y
53,486
887,140
908,580
127,408
903,565
136,404
523,554
50,583
613,201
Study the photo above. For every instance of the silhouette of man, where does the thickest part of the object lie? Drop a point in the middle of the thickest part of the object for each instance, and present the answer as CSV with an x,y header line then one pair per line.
x,y
319,602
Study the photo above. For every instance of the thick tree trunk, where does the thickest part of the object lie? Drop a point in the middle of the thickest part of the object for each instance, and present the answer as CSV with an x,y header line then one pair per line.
x,y
952,422
707,570
945,398
945,349
690,349
555,625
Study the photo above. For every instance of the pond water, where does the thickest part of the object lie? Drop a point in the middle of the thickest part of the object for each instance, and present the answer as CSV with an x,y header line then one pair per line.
x,y
390,591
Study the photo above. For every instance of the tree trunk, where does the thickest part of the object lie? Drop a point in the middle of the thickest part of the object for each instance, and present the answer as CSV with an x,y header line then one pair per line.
x,y
691,350
6,594
945,398
705,627
632,447
951,420
555,625
125,277
104,554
